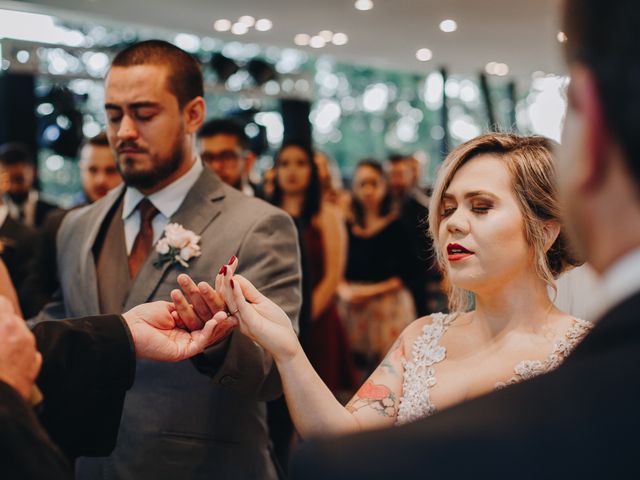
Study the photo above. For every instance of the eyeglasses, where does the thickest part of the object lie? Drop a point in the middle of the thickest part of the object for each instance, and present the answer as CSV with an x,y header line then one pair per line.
x,y
224,156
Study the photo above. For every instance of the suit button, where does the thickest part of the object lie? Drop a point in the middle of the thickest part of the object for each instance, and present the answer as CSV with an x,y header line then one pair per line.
x,y
227,381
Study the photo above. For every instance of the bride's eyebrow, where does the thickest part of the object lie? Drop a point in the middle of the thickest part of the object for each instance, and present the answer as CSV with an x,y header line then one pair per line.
x,y
475,193
481,193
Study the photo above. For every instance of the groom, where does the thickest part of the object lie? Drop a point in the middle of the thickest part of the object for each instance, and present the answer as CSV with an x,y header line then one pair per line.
x,y
176,422
581,421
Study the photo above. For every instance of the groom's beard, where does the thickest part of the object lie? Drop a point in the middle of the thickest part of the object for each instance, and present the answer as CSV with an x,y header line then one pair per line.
x,y
161,167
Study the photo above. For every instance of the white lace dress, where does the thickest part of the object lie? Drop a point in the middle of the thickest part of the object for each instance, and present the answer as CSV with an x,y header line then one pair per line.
x,y
419,373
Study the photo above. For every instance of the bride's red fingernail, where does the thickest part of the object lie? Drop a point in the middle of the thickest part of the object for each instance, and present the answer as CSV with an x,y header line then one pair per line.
x,y
223,270
231,260
232,287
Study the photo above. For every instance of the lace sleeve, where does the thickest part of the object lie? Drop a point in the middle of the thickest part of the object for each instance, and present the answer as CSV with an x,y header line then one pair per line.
x,y
419,374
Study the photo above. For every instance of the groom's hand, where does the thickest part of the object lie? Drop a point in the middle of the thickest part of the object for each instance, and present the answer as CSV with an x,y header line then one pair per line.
x,y
156,336
197,304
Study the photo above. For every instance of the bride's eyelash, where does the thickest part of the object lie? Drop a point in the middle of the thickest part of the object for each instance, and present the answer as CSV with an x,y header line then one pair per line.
x,y
482,209
447,211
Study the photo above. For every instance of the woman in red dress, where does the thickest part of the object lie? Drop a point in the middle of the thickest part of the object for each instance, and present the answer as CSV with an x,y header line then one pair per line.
x,y
324,238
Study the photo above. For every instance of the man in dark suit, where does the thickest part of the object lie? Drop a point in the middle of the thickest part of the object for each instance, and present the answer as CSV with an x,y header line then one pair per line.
x,y
18,244
582,420
412,207
17,175
116,253
87,365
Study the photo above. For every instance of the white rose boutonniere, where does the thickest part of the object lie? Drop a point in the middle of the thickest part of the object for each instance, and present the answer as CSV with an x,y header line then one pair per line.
x,y
177,245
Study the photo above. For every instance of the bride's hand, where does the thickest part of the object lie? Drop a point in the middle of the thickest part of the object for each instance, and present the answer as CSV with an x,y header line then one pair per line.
x,y
258,317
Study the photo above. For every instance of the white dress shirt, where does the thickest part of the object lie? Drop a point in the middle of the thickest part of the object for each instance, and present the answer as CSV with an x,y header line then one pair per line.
x,y
167,201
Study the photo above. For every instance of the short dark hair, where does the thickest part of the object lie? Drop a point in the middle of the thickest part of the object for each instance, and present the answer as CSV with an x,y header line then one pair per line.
x,y
14,153
99,140
604,37
356,206
313,193
397,158
225,126
185,74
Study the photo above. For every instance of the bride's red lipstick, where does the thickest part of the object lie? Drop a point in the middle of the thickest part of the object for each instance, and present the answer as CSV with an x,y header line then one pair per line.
x,y
457,252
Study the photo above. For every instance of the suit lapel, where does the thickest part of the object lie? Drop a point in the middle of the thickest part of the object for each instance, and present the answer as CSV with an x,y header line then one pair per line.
x,y
200,207
87,270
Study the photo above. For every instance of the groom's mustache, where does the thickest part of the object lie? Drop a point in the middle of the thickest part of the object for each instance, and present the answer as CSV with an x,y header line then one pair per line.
x,y
130,146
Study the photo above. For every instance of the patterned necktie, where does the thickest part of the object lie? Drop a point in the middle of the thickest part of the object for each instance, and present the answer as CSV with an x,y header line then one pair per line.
x,y
144,240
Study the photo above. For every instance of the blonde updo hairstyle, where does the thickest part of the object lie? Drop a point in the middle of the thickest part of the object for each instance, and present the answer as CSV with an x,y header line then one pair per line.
x,y
530,162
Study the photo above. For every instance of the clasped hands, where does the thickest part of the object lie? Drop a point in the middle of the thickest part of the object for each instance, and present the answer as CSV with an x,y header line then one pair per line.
x,y
235,302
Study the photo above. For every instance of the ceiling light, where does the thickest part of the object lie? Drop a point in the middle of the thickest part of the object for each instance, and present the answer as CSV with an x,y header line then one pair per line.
x,y
327,35
222,25
340,39
363,5
424,54
239,28
264,25
247,20
448,25
317,42
562,37
301,39
496,68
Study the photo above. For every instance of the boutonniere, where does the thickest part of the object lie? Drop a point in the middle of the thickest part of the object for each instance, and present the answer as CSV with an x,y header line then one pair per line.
x,y
178,245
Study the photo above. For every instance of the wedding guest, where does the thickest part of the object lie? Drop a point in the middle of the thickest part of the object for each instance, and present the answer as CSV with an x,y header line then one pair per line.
x,y
171,216
98,170
225,148
298,192
17,176
496,229
374,300
412,207
323,245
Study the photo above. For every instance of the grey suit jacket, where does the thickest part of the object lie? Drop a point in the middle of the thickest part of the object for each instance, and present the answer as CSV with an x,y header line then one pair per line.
x,y
177,422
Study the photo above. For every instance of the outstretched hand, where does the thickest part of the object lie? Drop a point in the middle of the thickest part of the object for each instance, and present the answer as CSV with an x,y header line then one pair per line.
x,y
157,336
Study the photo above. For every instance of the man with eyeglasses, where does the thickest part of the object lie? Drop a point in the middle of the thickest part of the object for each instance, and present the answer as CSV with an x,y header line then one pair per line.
x,y
224,148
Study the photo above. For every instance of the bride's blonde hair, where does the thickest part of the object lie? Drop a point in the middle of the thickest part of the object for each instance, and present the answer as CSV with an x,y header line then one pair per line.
x,y
531,164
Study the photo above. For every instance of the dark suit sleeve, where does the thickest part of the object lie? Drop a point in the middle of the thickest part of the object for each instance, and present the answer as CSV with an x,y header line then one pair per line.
x,y
26,451
270,258
88,364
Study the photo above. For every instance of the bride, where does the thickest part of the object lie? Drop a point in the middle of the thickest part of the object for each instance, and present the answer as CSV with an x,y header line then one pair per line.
x,y
495,222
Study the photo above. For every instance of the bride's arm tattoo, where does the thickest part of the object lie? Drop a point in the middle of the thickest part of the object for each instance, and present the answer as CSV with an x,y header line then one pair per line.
x,y
395,352
378,397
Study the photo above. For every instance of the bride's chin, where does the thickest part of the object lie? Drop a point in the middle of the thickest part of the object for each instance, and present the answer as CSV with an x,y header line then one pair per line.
x,y
469,282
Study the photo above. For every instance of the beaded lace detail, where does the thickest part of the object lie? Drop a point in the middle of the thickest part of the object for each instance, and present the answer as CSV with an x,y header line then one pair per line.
x,y
419,373
563,347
